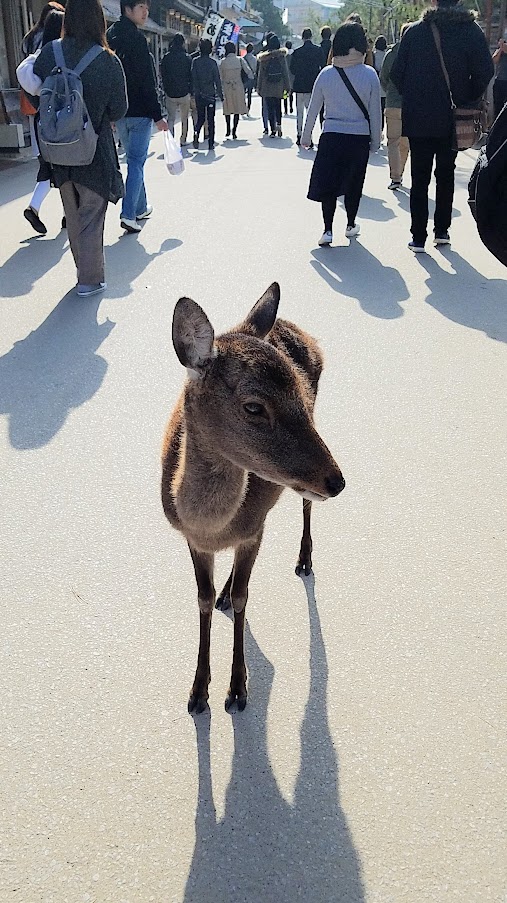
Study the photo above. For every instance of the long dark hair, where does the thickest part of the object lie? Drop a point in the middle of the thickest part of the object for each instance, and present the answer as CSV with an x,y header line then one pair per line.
x,y
84,21
53,6
52,27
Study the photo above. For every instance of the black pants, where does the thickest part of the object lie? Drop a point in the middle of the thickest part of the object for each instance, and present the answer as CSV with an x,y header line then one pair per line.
x,y
248,90
422,153
499,95
205,110
288,103
274,105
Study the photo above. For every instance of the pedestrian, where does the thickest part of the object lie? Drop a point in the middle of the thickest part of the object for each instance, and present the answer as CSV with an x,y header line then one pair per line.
x,y
251,59
488,189
356,18
397,144
32,42
231,69
305,65
379,52
500,82
427,117
325,44
350,92
288,99
31,85
207,87
135,128
272,80
86,190
176,75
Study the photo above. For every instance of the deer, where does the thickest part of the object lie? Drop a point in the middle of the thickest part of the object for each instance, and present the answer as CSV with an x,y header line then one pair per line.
x,y
241,432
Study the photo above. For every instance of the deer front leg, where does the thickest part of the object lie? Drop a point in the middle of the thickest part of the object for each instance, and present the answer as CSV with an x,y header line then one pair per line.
x,y
244,560
203,566
305,553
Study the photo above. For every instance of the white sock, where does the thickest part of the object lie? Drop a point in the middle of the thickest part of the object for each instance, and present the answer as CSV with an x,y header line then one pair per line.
x,y
41,191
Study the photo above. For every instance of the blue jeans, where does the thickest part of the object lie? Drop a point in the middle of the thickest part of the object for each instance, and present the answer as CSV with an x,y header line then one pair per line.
x,y
135,134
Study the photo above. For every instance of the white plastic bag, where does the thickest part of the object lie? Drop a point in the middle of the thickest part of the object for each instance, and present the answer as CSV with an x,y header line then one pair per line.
x,y
172,155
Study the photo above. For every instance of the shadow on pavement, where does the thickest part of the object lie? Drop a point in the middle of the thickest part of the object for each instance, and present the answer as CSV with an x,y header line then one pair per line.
x,y
54,369
127,258
466,296
33,260
264,848
354,272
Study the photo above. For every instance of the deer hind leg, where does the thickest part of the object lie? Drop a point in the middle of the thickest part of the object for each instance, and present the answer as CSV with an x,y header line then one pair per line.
x,y
203,566
305,553
244,560
224,600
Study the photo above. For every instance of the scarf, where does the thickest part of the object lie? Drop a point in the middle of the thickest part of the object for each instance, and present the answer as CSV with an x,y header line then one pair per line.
x,y
352,59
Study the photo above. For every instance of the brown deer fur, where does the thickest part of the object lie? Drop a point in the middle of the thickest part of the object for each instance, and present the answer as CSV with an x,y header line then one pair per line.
x,y
240,433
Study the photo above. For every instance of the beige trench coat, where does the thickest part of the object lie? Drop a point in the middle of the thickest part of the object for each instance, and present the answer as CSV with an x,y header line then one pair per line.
x,y
234,92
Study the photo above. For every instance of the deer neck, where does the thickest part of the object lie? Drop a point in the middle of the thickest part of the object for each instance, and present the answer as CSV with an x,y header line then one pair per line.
x,y
208,489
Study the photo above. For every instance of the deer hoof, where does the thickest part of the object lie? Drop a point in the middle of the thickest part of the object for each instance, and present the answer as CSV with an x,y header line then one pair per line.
x,y
223,602
197,703
239,698
304,567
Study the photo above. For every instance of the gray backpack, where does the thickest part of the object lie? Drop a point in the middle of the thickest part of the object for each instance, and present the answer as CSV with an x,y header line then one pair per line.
x,y
66,134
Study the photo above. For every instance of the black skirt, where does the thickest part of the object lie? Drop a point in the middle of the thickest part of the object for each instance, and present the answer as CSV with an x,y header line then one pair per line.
x,y
339,166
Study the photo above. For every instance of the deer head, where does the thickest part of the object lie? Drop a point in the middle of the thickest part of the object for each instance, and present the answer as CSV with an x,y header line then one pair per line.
x,y
247,401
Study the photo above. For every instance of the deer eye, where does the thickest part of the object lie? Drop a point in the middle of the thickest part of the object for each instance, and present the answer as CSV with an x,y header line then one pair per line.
x,y
252,407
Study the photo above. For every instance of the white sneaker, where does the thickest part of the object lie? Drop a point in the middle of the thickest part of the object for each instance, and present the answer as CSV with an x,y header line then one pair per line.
x,y
352,231
130,225
146,214
325,239
84,291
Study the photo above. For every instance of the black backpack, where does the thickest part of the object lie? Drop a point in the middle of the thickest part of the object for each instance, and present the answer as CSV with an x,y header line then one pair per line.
x,y
487,188
274,71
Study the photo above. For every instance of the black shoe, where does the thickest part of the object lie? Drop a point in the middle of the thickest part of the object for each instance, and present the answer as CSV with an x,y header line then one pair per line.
x,y
265,132
298,140
442,239
234,136
33,218
227,134
64,222
195,142
211,145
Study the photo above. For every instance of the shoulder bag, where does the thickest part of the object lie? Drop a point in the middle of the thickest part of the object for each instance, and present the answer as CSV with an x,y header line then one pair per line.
x,y
469,121
352,91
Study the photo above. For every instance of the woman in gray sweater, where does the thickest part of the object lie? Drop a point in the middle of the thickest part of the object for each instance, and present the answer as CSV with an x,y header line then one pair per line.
x,y
350,93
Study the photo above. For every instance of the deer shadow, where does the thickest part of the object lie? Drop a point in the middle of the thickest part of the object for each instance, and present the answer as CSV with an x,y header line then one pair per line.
x,y
379,293
466,296
265,848
33,260
54,369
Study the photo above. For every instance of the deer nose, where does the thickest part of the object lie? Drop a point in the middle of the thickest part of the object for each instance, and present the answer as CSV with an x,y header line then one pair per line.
x,y
334,484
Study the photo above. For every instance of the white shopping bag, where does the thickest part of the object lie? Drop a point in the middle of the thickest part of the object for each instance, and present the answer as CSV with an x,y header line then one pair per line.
x,y
172,155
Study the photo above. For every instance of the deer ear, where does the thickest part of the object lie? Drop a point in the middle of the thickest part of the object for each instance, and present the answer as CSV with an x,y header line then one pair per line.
x,y
192,337
261,319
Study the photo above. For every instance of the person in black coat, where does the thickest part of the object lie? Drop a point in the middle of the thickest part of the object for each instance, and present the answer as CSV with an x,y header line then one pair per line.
x,y
131,48
305,65
176,75
488,190
427,118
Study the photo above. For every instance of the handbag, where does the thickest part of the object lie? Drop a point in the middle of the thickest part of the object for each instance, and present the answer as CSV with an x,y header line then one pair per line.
x,y
352,91
172,155
469,120
25,106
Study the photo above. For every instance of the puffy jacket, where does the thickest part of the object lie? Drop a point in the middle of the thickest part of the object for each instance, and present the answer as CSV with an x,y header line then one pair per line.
x,y
176,73
417,72
131,48
305,65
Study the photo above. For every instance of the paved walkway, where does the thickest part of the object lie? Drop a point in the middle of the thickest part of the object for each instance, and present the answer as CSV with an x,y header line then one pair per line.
x,y
369,764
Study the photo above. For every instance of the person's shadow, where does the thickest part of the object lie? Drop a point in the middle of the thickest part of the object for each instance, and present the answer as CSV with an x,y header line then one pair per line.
x,y
54,369
465,296
354,272
264,848
126,259
33,260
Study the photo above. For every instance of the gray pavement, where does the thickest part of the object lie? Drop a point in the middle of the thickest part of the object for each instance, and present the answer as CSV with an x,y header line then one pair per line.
x,y
369,764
